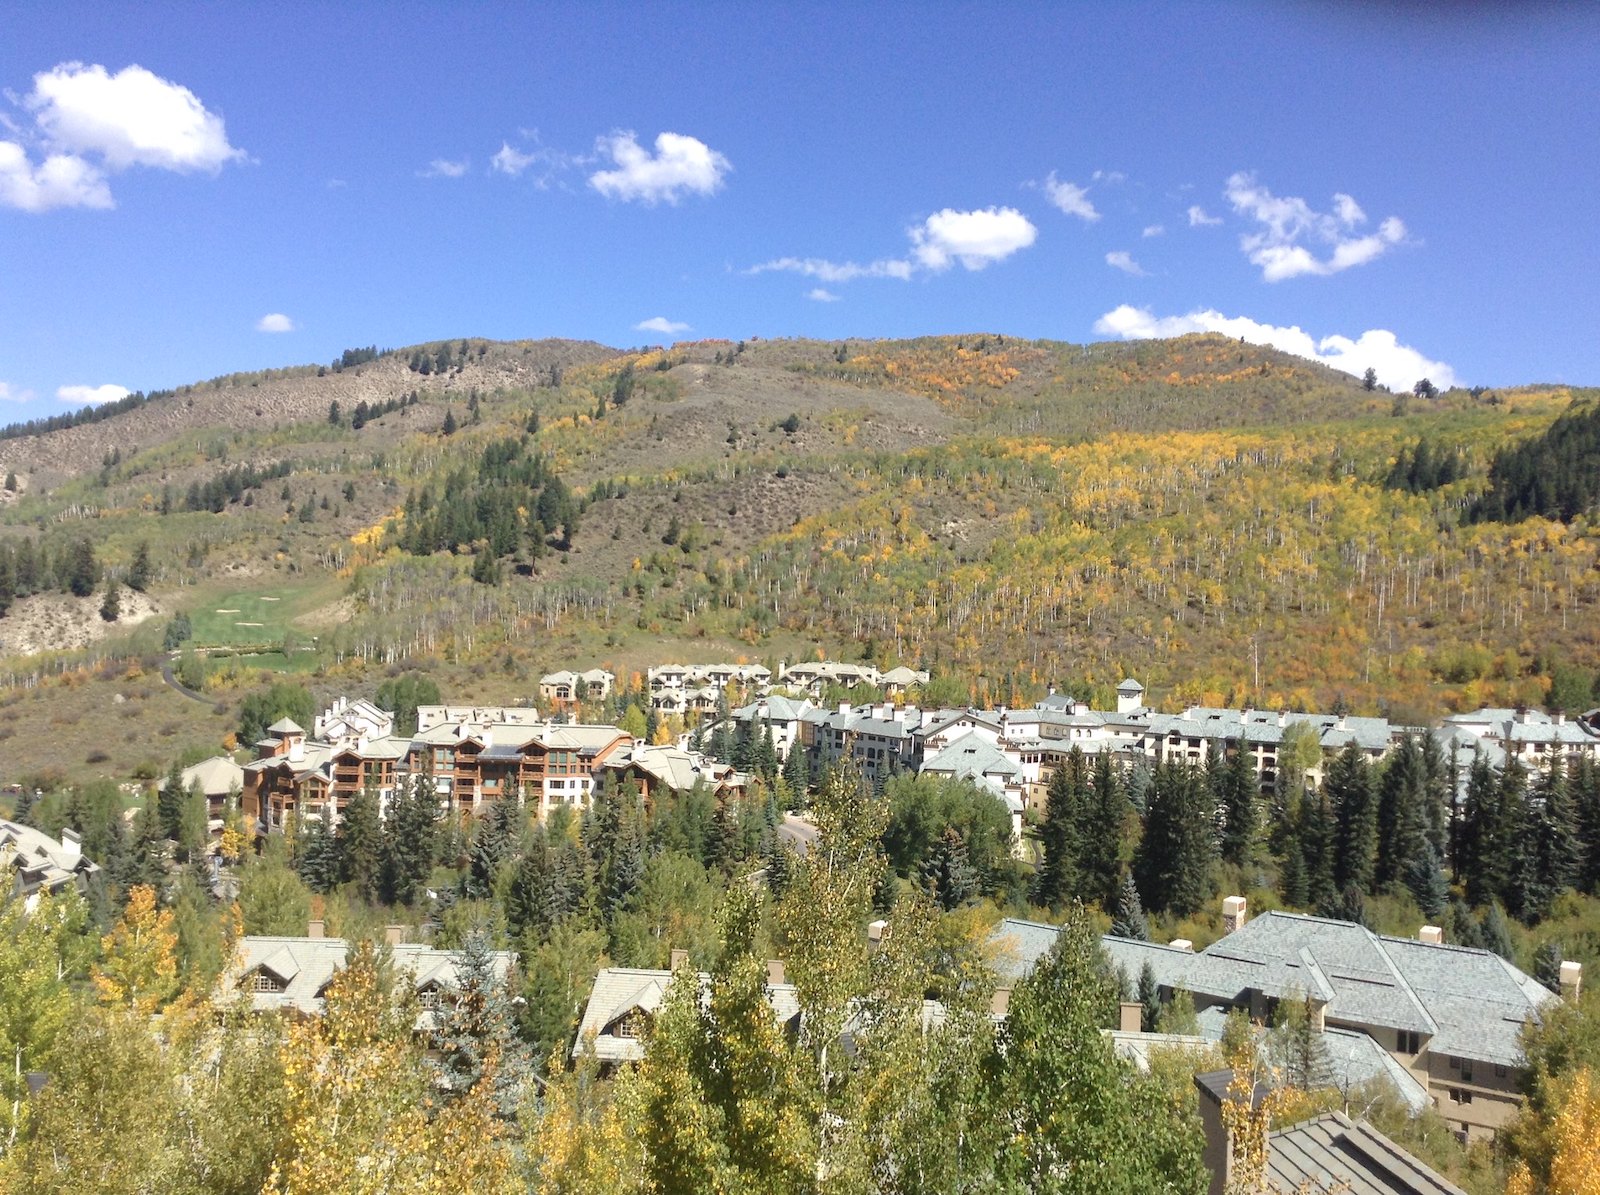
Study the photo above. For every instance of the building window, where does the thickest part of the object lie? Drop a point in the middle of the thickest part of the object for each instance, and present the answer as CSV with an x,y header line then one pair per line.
x,y
1410,1041
1455,1063
1499,1070
1466,1071
430,997
630,1024
1460,1095
266,981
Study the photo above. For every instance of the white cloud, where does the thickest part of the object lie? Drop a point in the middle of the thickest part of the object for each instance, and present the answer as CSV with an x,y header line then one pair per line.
x,y
1399,366
1071,198
444,168
680,164
1199,219
824,270
1109,176
821,294
511,161
1284,221
61,180
275,322
661,324
131,118
1120,259
87,124
975,239
1154,230
7,394
91,394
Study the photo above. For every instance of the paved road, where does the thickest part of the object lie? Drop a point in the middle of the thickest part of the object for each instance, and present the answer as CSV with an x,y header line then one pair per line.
x,y
799,830
166,675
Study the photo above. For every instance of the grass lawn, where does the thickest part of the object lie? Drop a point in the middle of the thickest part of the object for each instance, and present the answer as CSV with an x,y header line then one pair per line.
x,y
258,616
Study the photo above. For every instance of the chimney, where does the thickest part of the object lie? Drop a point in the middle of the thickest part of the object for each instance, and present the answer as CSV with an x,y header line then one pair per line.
x,y
297,748
1235,913
394,935
877,930
1571,980
1217,1155
71,847
1431,934
774,972
844,707
1182,944
1130,1017
316,929
679,957
1319,1015
1000,1002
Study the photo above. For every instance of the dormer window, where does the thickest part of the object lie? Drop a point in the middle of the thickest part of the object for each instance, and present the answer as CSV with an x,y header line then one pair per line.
x,y
432,997
264,981
630,1024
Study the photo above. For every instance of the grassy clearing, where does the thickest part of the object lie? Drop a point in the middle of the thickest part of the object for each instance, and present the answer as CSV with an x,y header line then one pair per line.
x,y
249,618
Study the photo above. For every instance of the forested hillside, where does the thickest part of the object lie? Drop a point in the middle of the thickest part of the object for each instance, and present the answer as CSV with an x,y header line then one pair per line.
x,y
1230,523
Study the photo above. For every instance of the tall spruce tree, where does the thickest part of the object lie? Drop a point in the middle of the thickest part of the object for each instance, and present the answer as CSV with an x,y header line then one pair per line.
x,y
1355,811
1402,816
410,836
1485,836
1102,814
1240,802
475,1029
1057,880
360,842
1173,862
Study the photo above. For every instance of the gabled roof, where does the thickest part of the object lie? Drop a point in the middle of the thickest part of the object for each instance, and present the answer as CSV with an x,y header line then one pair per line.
x,y
1331,1152
971,757
219,774
285,726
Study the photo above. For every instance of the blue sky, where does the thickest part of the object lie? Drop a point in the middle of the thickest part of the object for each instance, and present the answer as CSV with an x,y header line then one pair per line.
x,y
1407,187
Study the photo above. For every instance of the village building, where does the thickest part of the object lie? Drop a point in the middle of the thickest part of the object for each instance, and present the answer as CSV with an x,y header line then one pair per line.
x,y
564,690
38,863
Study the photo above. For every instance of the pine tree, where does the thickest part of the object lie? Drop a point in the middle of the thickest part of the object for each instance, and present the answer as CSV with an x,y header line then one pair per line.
x,y
317,854
494,841
111,603
1056,881
1350,793
1496,933
1402,822
947,873
1102,813
1173,863
1485,837
169,804
1240,802
1547,965
1558,852
1425,878
360,843
1149,996
1586,810
8,581
1129,920
794,772
139,570
474,1029
1298,1047
1318,847
410,835
82,571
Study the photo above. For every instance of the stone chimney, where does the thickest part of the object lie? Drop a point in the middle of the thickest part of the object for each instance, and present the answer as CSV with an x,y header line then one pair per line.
x,y
1431,934
394,935
1182,944
1235,912
316,929
71,847
877,930
1130,1016
844,707
679,957
297,748
774,972
1571,980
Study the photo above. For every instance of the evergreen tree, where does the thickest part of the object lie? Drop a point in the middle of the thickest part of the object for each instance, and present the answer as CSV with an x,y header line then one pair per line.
x,y
1102,813
1240,802
1425,878
1547,965
546,888
1401,816
317,854
82,571
474,1029
1173,863
1057,880
410,836
1496,933
1355,811
1318,847
948,874
360,843
794,772
1485,835
1129,920
139,570
1149,996
1292,881
1557,849
169,804
1298,1047
494,841
1585,783
111,602
8,581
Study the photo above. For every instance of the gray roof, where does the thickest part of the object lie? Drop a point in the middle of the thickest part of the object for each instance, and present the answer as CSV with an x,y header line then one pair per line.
x,y
41,863
1466,1002
219,774
305,965
972,756
1334,1153
285,726
619,990
1279,954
